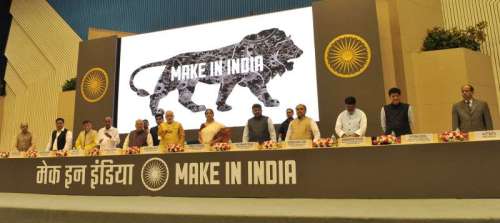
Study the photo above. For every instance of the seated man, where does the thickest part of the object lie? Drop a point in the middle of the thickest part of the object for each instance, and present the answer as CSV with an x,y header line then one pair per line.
x,y
108,137
87,139
170,132
259,128
138,137
61,138
24,140
352,121
302,127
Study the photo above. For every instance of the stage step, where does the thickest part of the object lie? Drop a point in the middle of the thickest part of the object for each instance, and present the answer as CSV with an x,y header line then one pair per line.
x,y
21,208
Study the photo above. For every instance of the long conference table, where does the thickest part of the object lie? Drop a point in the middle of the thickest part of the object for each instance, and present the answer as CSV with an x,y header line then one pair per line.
x,y
440,170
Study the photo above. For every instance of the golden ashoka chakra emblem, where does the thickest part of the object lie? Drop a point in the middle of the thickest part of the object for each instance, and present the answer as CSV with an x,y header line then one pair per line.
x,y
94,85
347,56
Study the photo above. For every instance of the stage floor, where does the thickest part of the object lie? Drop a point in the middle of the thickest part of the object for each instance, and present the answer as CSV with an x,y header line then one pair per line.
x,y
22,208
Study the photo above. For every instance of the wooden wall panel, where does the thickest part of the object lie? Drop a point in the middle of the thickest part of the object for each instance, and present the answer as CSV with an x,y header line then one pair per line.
x,y
464,13
42,52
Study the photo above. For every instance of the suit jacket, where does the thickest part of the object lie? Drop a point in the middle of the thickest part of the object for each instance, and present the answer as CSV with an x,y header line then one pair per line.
x,y
476,118
154,134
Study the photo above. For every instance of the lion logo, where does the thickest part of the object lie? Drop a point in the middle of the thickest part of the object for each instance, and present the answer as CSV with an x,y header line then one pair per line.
x,y
276,48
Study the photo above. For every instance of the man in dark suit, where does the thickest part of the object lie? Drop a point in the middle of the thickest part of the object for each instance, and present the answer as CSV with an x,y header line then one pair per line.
x,y
154,130
283,128
471,114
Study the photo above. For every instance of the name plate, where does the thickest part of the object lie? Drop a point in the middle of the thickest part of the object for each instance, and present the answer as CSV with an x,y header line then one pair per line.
x,y
150,150
197,148
76,152
150,147
354,141
15,154
246,146
46,154
419,139
298,144
111,152
484,135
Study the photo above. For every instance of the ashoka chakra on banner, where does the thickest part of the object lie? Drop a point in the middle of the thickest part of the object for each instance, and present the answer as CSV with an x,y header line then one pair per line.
x,y
94,85
347,56
154,174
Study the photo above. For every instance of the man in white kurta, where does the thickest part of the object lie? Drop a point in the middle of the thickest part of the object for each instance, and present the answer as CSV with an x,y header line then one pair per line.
x,y
352,121
108,136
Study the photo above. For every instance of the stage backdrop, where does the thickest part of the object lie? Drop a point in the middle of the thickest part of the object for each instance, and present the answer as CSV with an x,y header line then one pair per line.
x,y
227,66
348,60
279,60
95,88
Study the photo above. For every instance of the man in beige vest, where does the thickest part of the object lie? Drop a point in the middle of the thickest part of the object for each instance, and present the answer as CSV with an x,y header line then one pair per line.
x,y
302,127
471,114
24,140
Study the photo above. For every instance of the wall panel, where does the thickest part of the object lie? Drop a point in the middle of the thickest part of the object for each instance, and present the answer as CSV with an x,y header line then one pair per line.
x,y
154,15
42,53
464,13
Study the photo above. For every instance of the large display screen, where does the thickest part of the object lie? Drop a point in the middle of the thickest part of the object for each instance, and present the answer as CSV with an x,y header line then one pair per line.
x,y
227,66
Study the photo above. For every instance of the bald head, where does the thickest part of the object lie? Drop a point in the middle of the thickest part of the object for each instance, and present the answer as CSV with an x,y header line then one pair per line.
x,y
24,127
107,122
169,116
301,110
467,91
139,125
